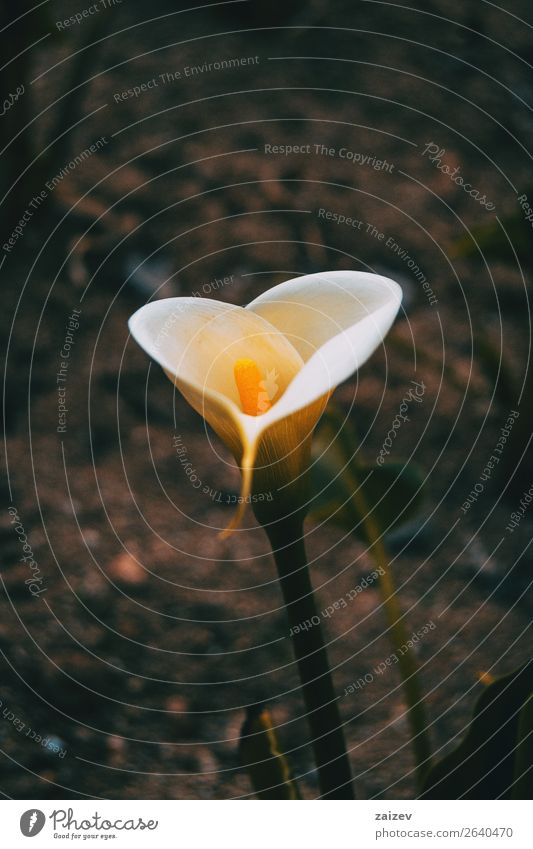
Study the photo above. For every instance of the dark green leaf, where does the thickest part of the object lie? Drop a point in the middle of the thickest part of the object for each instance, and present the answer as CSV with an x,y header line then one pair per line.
x,y
485,764
347,490
493,243
523,763
267,767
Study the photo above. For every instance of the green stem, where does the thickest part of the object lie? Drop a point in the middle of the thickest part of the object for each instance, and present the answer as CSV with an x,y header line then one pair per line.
x,y
408,667
335,779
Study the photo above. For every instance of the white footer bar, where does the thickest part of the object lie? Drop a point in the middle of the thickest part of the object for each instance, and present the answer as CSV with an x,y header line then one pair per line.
x,y
266,825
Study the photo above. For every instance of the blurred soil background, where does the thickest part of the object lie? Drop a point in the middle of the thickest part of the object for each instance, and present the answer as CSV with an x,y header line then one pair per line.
x,y
151,635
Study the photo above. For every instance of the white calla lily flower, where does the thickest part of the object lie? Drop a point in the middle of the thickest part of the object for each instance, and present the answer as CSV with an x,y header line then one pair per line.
x,y
261,375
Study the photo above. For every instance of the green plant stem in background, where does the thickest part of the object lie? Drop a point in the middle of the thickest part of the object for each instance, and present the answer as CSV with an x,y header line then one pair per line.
x,y
399,637
335,779
362,513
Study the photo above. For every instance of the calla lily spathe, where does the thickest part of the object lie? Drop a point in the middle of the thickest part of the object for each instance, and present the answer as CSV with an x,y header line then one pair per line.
x,y
304,337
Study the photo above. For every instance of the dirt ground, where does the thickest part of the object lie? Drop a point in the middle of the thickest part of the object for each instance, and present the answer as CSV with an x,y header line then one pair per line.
x,y
128,672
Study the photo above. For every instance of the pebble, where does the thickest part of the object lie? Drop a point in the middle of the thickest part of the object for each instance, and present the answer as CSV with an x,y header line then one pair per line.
x,y
125,568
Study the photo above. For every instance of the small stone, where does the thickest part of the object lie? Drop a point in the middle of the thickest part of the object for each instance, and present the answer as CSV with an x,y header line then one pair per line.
x,y
127,569
177,704
116,747
54,745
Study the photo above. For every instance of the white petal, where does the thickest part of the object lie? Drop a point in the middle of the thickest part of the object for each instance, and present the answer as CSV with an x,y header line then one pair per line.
x,y
335,320
312,309
197,343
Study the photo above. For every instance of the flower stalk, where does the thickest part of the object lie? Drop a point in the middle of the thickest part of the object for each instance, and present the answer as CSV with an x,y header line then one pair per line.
x,y
327,737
